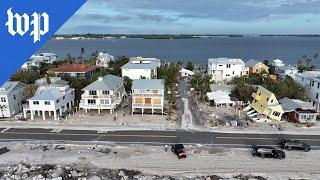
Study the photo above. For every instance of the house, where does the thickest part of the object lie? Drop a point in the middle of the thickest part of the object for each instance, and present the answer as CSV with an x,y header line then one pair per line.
x,y
105,93
265,106
135,70
103,59
186,72
298,111
140,60
257,67
310,80
277,63
284,71
36,60
75,70
224,69
220,98
148,94
11,98
53,96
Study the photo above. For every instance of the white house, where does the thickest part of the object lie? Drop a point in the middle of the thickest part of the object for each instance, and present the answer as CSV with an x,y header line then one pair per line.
x,y
103,59
186,72
278,63
140,59
54,97
284,71
224,69
36,60
310,80
135,70
105,93
148,94
11,98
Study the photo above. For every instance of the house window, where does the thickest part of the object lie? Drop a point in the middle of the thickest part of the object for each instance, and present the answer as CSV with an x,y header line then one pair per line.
x,y
64,97
228,65
58,100
14,97
36,102
312,83
259,93
105,92
93,93
47,103
267,99
104,101
3,99
272,101
317,95
91,101
275,113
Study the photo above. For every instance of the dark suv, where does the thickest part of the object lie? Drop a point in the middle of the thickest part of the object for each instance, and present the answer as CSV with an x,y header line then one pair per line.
x,y
178,149
267,152
294,144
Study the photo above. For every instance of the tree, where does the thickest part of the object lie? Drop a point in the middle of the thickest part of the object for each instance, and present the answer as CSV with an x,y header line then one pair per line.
x,y
81,54
243,93
189,66
127,83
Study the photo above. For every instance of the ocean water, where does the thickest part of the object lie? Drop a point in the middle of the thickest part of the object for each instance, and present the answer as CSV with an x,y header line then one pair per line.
x,y
289,49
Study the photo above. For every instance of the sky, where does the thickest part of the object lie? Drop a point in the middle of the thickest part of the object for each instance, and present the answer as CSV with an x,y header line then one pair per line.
x,y
196,17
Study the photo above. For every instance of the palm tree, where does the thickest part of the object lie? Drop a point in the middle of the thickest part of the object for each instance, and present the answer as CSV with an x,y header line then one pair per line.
x,y
81,54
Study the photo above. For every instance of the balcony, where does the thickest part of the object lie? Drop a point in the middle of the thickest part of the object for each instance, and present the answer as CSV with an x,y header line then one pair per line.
x,y
96,96
147,105
96,106
147,94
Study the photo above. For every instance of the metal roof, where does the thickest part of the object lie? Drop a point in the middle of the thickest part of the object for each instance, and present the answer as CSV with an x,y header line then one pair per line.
x,y
52,94
131,65
10,86
251,63
290,105
148,84
223,60
108,82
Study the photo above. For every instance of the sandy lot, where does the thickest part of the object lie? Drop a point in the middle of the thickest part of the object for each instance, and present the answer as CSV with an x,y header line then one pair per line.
x,y
201,161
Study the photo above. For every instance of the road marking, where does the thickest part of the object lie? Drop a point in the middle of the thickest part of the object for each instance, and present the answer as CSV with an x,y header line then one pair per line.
x,y
5,129
74,134
56,130
261,138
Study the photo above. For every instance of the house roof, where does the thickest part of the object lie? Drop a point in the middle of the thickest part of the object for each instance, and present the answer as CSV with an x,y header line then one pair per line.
x,y
219,97
287,67
223,60
51,94
187,71
73,68
139,58
54,81
131,65
290,105
10,86
148,84
107,82
222,87
251,63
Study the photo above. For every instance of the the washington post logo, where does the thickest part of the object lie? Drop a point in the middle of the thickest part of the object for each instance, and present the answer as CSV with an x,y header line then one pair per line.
x,y
21,24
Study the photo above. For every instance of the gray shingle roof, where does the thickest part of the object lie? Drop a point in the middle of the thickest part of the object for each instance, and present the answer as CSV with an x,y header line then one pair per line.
x,y
51,94
290,105
10,86
107,82
251,63
130,65
223,60
148,84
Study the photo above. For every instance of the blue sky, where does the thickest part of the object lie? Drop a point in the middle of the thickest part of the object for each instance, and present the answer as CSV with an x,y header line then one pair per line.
x,y
196,17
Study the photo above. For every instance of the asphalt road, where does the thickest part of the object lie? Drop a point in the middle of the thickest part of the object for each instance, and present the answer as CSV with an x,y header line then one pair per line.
x,y
152,137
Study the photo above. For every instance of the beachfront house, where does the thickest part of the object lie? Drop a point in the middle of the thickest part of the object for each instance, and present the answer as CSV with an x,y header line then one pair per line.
x,y
277,63
310,80
264,106
103,59
11,98
224,69
105,93
75,70
186,72
142,60
284,71
37,59
137,70
298,111
257,67
148,95
53,97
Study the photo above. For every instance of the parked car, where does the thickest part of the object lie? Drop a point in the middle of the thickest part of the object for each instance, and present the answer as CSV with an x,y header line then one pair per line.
x,y
294,144
178,149
267,152
3,150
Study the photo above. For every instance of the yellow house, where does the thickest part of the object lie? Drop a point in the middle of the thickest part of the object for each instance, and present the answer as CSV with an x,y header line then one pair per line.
x,y
266,104
148,94
256,67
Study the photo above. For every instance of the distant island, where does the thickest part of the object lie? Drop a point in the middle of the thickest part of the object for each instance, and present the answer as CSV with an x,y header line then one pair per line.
x,y
167,36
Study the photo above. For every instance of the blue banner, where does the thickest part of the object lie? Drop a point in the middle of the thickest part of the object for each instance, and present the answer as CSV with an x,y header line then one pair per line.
x,y
25,25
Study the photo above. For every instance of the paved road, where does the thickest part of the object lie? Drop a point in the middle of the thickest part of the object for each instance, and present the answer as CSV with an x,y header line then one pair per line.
x,y
153,137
